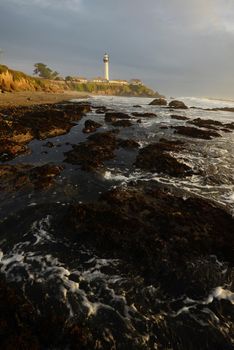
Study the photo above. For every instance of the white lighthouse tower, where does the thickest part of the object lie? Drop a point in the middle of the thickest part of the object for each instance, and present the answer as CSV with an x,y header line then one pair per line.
x,y
106,66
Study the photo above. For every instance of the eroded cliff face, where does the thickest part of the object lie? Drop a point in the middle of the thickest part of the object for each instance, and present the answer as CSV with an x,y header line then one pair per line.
x,y
11,80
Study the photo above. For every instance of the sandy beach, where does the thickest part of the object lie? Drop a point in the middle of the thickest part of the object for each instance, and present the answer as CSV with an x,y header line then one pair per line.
x,y
27,98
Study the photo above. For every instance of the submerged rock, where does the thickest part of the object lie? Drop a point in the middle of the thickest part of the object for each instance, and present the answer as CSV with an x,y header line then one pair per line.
x,y
196,133
159,102
91,126
155,158
175,104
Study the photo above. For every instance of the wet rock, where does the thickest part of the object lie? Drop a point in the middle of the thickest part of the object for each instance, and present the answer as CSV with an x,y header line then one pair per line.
x,y
139,121
175,104
125,123
9,150
111,117
206,123
137,106
159,102
153,229
92,153
20,176
196,133
179,117
155,158
91,126
128,143
144,115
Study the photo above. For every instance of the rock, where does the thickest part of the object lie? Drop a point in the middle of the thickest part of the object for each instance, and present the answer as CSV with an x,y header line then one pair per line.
x,y
156,231
139,121
155,158
128,143
92,153
144,115
16,177
111,117
159,102
177,105
137,106
179,117
91,126
206,123
196,133
22,124
122,123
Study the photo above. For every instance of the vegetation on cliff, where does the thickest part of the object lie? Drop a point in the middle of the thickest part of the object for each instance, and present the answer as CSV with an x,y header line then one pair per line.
x,y
11,80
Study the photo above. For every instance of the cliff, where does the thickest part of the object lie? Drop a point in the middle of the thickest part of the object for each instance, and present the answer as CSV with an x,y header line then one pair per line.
x,y
11,80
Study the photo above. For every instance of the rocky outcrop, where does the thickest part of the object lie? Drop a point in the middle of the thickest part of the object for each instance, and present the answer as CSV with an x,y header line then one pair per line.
x,y
158,102
20,176
21,125
179,117
92,153
144,115
156,158
128,143
91,126
153,229
175,104
196,133
111,117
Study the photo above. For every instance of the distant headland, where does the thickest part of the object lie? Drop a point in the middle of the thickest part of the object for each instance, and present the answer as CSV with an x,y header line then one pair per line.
x,y
50,81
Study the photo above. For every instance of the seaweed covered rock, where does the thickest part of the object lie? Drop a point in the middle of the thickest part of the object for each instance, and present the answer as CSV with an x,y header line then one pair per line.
x,y
196,133
92,153
156,158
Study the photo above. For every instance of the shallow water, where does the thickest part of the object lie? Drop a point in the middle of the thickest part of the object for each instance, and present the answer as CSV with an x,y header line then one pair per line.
x,y
104,292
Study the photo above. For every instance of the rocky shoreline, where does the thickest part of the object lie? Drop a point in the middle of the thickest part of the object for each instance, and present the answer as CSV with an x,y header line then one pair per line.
x,y
170,241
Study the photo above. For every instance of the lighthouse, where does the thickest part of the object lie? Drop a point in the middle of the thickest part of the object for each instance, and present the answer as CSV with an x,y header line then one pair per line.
x,y
106,66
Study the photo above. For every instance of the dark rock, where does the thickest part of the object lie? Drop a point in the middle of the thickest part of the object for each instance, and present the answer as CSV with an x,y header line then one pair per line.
x,y
155,158
16,177
139,121
111,117
196,133
177,105
137,106
92,153
128,143
206,123
144,115
179,117
122,123
153,229
159,102
91,126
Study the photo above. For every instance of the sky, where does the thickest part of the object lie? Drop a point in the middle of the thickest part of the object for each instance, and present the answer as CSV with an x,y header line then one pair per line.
x,y
177,47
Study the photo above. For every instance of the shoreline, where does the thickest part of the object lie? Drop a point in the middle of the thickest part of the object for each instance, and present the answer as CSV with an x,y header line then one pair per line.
x,y
29,98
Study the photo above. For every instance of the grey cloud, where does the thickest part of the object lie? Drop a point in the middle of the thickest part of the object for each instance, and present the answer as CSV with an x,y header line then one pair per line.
x,y
178,47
